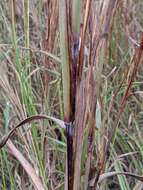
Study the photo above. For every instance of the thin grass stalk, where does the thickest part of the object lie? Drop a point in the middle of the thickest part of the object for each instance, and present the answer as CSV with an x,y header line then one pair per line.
x,y
26,22
14,38
83,33
13,23
51,23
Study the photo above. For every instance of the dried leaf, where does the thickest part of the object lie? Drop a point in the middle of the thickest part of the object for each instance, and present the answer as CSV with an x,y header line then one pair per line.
x,y
110,174
27,120
26,165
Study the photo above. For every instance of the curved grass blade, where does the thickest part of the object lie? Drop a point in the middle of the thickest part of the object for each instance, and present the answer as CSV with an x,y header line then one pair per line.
x,y
110,174
5,138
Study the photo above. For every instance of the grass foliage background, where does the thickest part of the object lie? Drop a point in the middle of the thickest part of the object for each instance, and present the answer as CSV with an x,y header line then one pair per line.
x,y
32,58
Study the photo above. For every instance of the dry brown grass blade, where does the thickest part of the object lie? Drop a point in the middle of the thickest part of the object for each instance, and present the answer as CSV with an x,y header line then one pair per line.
x,y
25,121
48,43
91,107
137,59
83,35
25,164
80,120
136,62
111,174
85,112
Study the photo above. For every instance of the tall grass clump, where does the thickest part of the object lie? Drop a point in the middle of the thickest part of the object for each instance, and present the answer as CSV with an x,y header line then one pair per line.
x,y
73,67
